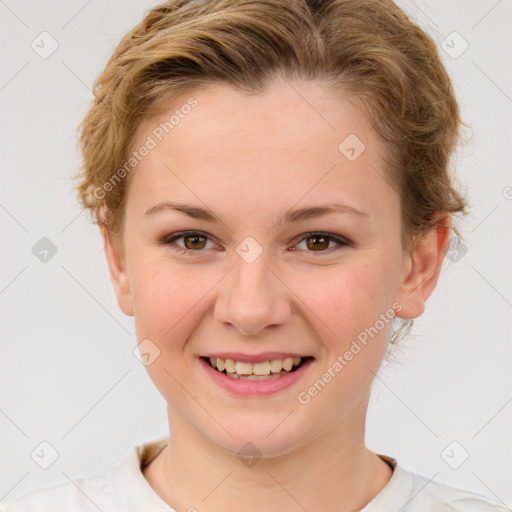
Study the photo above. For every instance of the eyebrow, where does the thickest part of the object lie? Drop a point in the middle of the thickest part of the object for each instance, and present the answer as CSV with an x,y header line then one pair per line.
x,y
291,216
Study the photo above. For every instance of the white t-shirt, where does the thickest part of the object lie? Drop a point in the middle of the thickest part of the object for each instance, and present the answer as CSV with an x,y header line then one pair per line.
x,y
123,488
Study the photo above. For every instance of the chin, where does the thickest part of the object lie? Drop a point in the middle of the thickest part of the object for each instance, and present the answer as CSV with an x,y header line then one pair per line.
x,y
258,436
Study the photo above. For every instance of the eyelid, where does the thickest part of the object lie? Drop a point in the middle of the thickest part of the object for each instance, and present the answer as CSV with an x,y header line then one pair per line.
x,y
332,236
338,239
172,237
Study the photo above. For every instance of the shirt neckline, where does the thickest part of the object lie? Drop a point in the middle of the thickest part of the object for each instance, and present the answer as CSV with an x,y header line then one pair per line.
x,y
134,493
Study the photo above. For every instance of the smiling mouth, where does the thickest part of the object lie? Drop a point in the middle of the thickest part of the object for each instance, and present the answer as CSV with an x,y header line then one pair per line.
x,y
264,370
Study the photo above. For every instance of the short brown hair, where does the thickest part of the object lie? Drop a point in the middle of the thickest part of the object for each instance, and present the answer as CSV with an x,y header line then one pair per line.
x,y
368,50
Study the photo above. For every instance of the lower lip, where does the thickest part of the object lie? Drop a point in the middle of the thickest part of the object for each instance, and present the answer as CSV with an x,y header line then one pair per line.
x,y
255,387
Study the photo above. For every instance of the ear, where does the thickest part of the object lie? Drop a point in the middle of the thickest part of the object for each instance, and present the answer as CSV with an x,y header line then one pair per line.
x,y
118,274
422,267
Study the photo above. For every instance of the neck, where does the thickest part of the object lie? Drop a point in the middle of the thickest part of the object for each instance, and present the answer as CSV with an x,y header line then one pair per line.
x,y
335,471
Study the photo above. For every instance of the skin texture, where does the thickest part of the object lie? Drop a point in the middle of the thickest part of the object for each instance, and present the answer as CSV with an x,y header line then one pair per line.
x,y
249,159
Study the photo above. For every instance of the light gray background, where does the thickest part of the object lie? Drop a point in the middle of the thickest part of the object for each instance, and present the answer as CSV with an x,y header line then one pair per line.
x,y
68,373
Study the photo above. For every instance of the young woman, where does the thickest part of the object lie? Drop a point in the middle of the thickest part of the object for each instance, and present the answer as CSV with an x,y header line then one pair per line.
x,y
271,182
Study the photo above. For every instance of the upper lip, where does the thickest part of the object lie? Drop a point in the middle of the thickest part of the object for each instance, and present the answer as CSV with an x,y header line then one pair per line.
x,y
254,358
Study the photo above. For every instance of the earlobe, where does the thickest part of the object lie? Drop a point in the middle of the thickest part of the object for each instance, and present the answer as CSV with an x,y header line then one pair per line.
x,y
118,274
422,268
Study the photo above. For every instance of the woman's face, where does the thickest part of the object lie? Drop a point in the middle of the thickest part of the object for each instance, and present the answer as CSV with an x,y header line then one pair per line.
x,y
254,281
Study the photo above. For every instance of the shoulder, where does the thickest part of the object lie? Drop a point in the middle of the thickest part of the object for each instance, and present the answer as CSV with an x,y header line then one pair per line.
x,y
83,495
410,492
121,487
434,496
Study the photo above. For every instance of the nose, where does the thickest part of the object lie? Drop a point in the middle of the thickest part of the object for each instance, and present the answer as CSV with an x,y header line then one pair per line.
x,y
253,297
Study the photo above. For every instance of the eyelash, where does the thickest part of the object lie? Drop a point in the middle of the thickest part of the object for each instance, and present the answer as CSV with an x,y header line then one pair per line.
x,y
170,239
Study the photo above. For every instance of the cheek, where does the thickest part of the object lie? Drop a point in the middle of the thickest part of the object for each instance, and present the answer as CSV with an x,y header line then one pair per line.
x,y
352,311
347,298
354,336
164,299
166,305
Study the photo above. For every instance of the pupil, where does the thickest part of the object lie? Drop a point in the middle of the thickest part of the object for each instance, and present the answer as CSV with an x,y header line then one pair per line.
x,y
324,242
195,238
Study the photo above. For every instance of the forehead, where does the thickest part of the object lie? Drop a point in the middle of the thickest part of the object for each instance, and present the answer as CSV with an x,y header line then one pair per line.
x,y
301,114
292,140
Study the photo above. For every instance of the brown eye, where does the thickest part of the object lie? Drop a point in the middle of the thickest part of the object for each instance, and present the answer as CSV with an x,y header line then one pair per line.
x,y
194,241
319,242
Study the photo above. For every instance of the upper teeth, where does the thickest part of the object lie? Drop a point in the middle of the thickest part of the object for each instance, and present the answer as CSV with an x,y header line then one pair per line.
x,y
263,368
